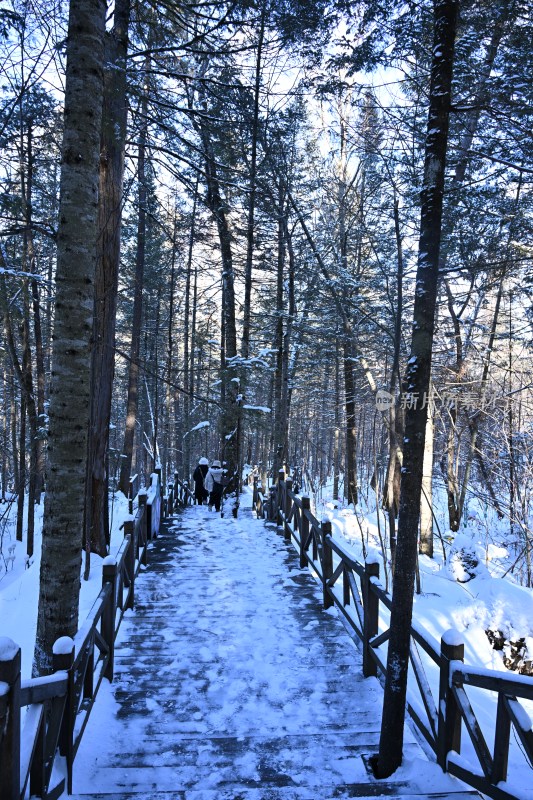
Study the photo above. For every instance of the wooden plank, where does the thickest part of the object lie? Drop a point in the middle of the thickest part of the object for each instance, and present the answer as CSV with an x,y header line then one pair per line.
x,y
337,572
28,741
364,792
478,782
37,690
425,690
513,685
321,719
472,726
356,599
519,717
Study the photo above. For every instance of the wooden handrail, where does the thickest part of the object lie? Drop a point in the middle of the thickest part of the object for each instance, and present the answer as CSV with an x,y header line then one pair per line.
x,y
183,496
59,705
360,599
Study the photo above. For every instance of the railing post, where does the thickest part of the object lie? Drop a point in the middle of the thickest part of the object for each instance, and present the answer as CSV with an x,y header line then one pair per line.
x,y
144,529
254,493
304,530
345,586
272,503
10,661
502,734
449,720
143,500
63,659
281,484
327,562
129,532
288,506
130,496
109,575
371,617
38,764
170,499
158,471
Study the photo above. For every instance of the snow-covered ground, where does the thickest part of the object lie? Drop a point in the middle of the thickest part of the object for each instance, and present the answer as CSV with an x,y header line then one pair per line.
x,y
244,688
486,601
19,578
462,589
450,598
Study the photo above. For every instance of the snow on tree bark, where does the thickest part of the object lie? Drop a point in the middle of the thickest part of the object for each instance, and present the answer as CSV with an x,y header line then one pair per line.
x,y
71,356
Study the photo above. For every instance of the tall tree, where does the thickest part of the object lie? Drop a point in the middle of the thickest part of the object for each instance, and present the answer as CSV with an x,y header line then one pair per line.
x,y
113,143
418,387
71,359
140,254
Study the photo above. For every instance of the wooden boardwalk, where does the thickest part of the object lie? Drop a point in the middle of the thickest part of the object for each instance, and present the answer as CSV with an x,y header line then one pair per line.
x,y
232,683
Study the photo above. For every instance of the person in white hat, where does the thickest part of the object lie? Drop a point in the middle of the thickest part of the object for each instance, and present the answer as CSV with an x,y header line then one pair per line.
x,y
198,477
213,484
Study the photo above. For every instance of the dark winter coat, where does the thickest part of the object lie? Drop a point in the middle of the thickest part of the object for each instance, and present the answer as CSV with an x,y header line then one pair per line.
x,y
198,477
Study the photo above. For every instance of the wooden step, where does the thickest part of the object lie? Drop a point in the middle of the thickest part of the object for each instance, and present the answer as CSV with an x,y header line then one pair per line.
x,y
207,705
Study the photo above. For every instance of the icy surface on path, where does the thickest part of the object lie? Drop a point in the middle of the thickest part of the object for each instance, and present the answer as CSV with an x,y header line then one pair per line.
x,y
231,681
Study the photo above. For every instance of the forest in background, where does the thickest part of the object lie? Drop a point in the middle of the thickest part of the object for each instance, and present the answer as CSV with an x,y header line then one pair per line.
x,y
267,223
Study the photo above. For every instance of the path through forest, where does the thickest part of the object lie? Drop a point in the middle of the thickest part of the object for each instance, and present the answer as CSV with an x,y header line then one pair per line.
x,y
232,683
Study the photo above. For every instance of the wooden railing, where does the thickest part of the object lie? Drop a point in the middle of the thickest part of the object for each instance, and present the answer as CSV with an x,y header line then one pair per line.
x,y
183,496
57,707
133,490
437,698
264,503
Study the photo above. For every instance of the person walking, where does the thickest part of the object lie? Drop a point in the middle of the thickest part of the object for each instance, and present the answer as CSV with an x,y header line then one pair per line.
x,y
198,476
214,484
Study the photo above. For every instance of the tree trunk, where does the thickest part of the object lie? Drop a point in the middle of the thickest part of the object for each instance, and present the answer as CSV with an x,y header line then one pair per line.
x,y
31,410
21,494
40,381
350,472
96,529
34,399
188,352
245,344
13,417
418,384
5,434
391,497
167,406
426,502
231,393
337,426
480,99
23,373
279,453
71,358
133,379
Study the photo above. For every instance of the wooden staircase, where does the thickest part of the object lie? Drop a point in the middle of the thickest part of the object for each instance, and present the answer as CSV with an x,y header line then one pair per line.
x,y
207,704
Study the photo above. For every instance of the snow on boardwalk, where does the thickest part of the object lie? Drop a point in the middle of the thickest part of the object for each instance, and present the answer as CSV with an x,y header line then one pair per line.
x,y
232,683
